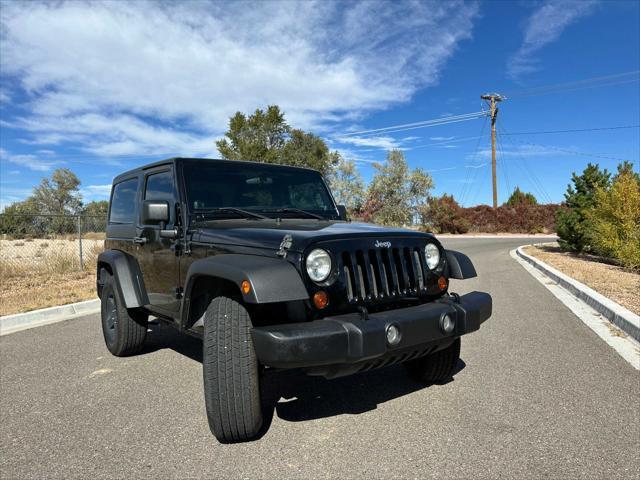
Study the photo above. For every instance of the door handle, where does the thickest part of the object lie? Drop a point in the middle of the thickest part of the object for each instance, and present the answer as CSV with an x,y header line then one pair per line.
x,y
139,240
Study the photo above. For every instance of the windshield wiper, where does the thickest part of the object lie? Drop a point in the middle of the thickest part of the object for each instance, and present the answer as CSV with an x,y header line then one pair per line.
x,y
295,210
244,213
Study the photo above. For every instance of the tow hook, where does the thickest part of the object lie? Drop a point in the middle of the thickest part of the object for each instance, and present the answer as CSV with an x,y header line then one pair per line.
x,y
455,297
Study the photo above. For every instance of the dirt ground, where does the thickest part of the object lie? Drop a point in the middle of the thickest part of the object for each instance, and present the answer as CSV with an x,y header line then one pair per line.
x,y
618,284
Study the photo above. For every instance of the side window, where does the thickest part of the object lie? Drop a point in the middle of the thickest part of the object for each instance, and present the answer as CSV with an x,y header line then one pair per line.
x,y
123,202
160,187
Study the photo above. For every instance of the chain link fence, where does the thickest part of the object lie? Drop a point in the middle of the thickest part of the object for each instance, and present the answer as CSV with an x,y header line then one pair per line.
x,y
39,243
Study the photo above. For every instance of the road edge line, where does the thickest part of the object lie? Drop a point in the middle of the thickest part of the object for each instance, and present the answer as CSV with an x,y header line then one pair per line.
x,y
625,346
46,316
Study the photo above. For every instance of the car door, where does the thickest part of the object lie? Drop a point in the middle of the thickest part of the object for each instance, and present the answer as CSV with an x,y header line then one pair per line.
x,y
156,255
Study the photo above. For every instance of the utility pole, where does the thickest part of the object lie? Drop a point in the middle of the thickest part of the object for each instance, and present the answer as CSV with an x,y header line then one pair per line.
x,y
493,99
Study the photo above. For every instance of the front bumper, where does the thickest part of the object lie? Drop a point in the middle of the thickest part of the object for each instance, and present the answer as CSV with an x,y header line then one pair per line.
x,y
348,343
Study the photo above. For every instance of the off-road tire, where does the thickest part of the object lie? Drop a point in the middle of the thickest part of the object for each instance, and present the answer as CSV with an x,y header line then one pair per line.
x,y
230,370
124,330
437,367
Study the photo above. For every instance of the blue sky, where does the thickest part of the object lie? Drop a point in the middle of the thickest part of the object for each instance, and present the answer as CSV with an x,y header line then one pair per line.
x,y
103,87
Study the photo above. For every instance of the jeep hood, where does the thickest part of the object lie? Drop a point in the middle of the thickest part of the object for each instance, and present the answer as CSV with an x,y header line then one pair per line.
x,y
269,234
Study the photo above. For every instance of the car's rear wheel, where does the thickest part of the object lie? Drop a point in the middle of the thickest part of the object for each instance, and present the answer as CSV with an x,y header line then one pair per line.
x,y
437,367
230,370
124,330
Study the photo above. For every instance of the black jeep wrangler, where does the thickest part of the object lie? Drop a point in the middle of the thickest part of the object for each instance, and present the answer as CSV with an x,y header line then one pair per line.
x,y
259,262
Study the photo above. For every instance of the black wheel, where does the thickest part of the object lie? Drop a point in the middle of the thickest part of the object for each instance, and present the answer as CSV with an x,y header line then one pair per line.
x,y
230,369
124,330
436,367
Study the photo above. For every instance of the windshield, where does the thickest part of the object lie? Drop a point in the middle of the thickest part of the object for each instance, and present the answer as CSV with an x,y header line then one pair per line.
x,y
263,189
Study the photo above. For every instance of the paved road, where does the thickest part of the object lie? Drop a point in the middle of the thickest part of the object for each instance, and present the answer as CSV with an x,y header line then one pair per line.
x,y
539,395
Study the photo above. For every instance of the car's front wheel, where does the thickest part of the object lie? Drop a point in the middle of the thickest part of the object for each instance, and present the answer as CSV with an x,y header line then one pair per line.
x,y
230,370
124,330
437,367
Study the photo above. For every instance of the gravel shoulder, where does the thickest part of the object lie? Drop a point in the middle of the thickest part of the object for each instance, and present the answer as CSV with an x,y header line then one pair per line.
x,y
618,284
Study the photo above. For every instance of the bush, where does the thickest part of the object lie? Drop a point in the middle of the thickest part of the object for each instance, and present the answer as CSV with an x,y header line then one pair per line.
x,y
615,220
444,215
521,218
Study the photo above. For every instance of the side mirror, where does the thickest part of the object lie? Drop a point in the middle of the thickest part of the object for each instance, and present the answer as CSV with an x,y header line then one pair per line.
x,y
155,212
342,212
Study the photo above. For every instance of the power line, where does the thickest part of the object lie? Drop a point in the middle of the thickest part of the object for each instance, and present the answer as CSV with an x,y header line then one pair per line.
x,y
420,124
576,152
593,82
572,130
472,172
530,172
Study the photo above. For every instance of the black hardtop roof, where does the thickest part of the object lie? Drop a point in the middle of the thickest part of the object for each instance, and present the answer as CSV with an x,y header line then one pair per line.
x,y
174,160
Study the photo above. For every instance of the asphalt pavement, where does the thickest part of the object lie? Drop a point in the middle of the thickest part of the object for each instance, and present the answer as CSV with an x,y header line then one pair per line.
x,y
537,395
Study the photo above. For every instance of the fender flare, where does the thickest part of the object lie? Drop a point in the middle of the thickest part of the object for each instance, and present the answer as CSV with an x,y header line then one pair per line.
x,y
460,266
271,279
128,277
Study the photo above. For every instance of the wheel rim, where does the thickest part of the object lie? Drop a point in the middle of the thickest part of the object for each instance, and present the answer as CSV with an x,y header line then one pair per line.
x,y
111,318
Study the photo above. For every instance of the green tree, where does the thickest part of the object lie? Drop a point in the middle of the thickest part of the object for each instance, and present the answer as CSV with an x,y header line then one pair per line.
x,y
346,184
97,208
518,197
17,219
615,219
264,136
308,150
420,184
260,136
396,192
58,195
573,226
95,216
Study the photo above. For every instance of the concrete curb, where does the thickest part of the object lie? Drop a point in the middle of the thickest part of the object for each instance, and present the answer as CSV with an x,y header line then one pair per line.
x,y
624,319
36,318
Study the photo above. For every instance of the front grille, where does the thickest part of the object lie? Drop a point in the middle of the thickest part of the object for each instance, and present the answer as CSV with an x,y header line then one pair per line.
x,y
380,274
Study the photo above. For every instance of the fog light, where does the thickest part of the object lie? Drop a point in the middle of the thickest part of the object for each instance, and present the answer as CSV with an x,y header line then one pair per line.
x,y
447,324
393,335
320,299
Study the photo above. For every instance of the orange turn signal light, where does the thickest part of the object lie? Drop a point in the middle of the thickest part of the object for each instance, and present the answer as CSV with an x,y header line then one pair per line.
x,y
442,283
320,299
245,286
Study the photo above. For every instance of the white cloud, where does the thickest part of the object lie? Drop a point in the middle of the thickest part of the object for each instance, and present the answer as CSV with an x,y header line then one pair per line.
x,y
385,143
544,26
441,139
521,151
476,166
96,192
143,77
32,162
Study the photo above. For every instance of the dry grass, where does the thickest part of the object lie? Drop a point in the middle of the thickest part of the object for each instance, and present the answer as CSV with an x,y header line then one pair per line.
x,y
45,273
618,284
40,290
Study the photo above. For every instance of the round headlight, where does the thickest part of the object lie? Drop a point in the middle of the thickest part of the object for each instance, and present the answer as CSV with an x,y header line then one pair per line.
x,y
318,265
432,255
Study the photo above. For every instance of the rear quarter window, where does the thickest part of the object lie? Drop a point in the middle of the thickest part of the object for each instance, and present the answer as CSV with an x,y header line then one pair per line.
x,y
123,202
